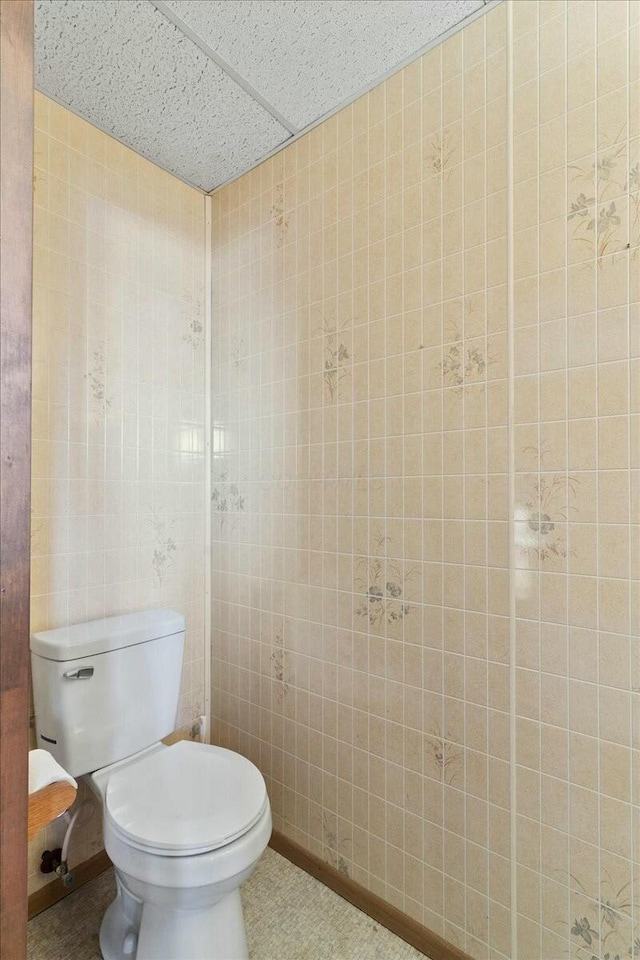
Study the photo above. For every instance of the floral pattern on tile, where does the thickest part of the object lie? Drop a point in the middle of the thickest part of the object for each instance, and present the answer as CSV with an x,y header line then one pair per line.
x,y
439,154
164,544
335,371
334,850
383,584
193,322
279,217
444,757
462,365
605,932
238,352
96,378
544,509
597,223
279,666
227,501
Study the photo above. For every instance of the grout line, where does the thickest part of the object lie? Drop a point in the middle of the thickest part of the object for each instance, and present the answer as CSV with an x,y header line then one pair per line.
x,y
568,716
383,441
598,790
441,522
351,519
512,492
463,444
488,469
208,400
181,25
538,471
417,55
632,752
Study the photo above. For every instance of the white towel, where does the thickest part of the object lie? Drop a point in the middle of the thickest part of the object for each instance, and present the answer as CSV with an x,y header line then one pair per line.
x,y
43,770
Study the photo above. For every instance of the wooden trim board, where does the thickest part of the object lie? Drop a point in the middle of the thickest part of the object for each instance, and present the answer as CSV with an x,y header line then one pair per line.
x,y
424,940
16,253
55,891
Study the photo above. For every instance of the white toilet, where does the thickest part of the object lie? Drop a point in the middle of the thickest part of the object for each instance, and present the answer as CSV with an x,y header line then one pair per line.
x,y
184,825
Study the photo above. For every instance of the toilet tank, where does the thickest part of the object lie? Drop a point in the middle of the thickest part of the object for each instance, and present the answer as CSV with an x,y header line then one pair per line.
x,y
105,689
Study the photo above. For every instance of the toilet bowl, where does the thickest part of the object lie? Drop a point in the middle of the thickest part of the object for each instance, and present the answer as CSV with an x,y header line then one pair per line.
x,y
184,826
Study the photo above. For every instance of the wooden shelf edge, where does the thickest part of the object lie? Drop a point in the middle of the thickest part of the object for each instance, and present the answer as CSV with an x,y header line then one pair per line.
x,y
48,803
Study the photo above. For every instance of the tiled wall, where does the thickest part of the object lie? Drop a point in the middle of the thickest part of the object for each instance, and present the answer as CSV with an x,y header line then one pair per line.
x,y
576,451
360,488
425,365
118,398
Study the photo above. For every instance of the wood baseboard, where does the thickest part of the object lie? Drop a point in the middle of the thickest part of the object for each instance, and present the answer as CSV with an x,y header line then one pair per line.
x,y
424,940
55,891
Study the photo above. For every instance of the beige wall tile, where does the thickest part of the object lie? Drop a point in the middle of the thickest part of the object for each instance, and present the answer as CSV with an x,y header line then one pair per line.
x,y
119,345
397,279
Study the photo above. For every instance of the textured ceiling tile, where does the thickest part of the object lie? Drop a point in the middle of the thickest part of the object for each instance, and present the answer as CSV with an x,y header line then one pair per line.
x,y
306,58
125,68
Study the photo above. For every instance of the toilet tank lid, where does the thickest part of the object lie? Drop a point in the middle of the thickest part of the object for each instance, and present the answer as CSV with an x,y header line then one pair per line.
x,y
110,633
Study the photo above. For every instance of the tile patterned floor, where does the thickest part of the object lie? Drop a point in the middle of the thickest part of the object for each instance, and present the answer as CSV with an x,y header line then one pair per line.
x,y
289,916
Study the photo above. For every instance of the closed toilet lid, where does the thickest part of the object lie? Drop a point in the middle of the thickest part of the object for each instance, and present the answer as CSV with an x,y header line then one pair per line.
x,y
188,798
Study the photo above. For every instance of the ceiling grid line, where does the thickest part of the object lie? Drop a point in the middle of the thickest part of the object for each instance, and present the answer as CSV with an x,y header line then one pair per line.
x,y
202,45
479,12
209,89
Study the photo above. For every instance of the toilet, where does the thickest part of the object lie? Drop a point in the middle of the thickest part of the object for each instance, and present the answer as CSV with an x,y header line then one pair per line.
x,y
184,825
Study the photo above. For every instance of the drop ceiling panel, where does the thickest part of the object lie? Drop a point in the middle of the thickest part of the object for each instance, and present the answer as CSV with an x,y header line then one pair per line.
x,y
306,58
208,88
128,70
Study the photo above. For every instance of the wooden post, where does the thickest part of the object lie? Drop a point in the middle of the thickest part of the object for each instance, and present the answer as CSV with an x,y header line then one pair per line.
x,y
16,184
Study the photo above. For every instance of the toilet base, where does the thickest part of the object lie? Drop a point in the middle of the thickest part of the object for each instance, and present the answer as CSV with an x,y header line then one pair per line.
x,y
132,930
120,926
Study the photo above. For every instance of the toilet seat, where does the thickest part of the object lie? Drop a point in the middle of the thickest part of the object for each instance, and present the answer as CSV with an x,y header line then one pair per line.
x,y
184,800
